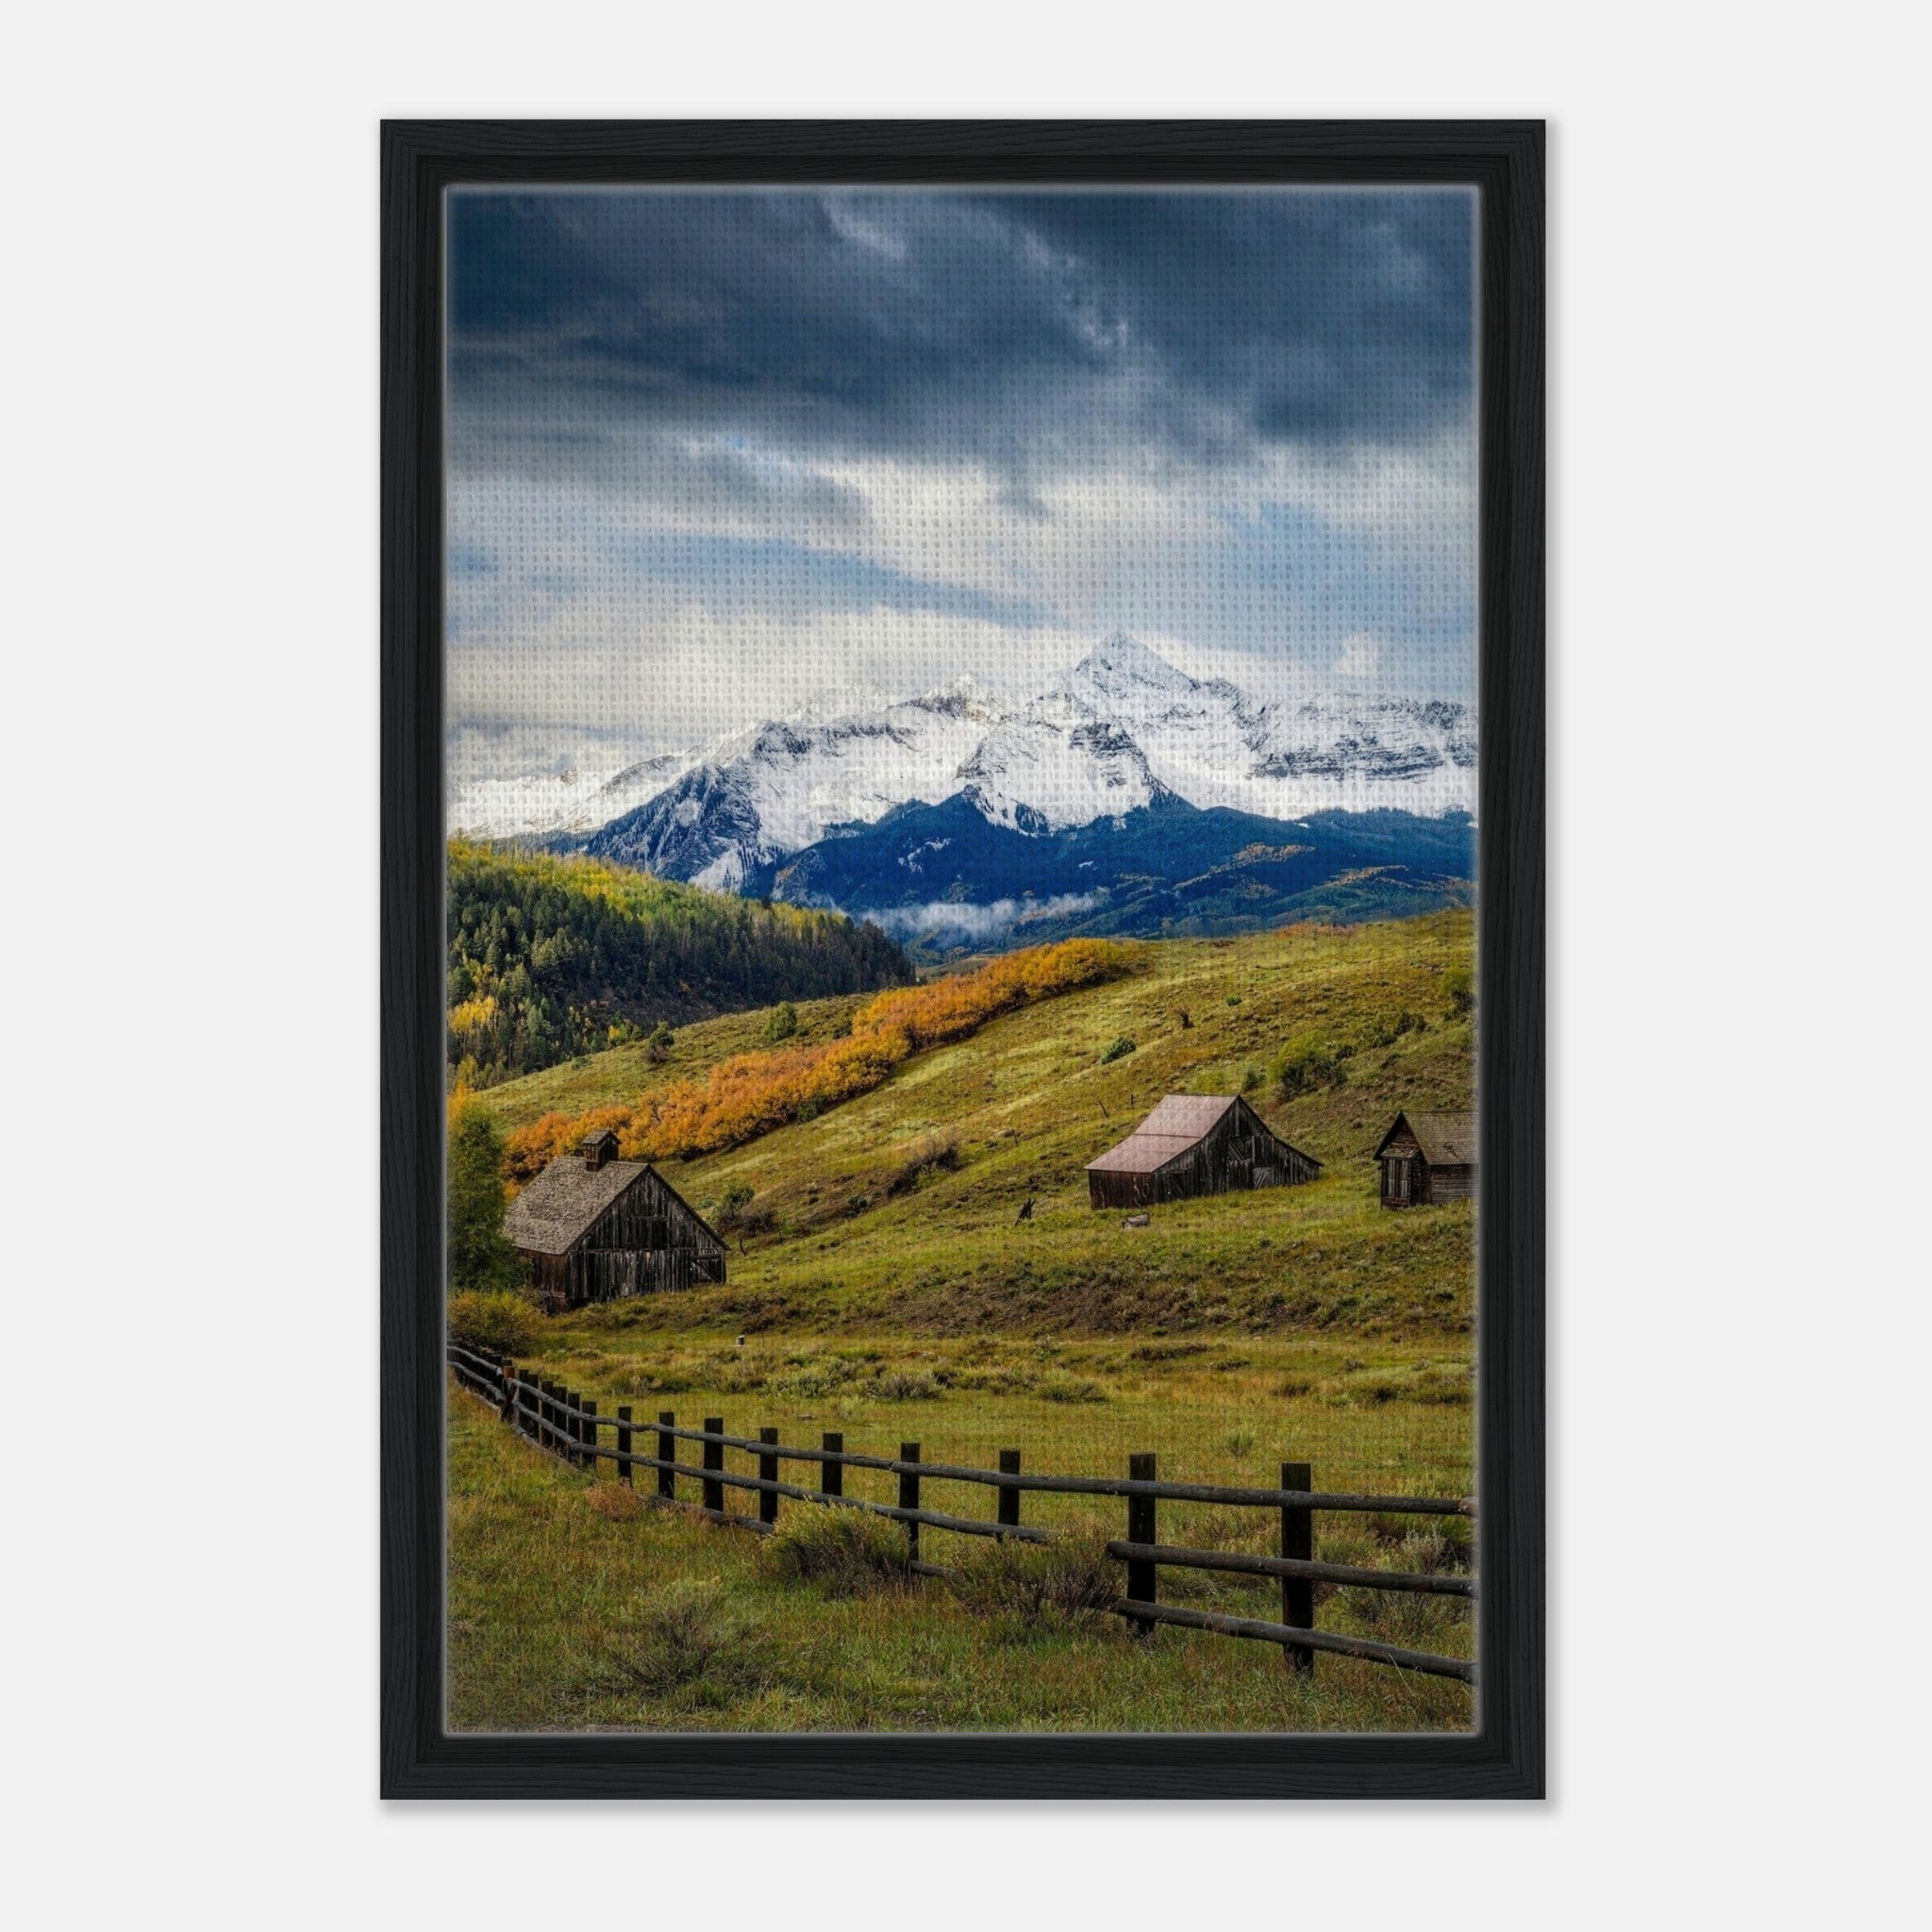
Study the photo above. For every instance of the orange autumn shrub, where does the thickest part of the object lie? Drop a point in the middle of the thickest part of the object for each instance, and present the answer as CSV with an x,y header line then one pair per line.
x,y
957,1004
752,1093
530,1149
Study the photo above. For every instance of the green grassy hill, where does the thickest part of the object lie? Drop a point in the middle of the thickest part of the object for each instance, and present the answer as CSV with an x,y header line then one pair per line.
x,y
900,1209
887,1288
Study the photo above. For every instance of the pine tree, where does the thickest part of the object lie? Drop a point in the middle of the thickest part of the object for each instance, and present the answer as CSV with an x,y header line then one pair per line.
x,y
480,1256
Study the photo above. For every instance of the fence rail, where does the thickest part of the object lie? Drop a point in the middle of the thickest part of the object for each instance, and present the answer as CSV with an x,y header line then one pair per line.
x,y
569,1425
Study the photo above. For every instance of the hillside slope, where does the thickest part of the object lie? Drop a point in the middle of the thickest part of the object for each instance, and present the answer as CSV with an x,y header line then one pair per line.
x,y
549,958
902,1206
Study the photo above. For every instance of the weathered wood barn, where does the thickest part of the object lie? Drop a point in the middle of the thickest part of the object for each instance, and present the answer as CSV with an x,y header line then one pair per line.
x,y
1195,1144
595,1229
1427,1158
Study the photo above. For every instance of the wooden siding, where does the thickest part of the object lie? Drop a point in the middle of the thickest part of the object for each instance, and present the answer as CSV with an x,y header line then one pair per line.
x,y
1411,1180
647,1241
1237,1153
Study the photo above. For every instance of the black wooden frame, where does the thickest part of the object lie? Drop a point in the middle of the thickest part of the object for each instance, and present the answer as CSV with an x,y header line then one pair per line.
x,y
1504,161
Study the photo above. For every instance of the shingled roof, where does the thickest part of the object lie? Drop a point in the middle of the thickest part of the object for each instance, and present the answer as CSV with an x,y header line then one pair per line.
x,y
1173,1126
1447,1140
560,1205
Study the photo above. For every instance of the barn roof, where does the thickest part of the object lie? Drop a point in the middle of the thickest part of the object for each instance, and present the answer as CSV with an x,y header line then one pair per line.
x,y
1178,1123
1447,1140
564,1201
1173,1126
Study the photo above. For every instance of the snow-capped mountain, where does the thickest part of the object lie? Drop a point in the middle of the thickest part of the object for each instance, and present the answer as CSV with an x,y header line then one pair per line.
x,y
780,786
576,800
1122,730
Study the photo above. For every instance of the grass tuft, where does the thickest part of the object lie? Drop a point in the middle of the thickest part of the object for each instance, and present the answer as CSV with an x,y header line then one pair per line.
x,y
850,1552
1030,1584
683,1632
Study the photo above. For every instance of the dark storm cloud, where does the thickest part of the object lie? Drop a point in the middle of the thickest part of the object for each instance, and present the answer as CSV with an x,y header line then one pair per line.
x,y
1034,332
715,453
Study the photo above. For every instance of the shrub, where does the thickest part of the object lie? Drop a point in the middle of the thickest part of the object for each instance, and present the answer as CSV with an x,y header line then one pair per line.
x,y
1252,1077
906,1385
930,1155
852,1551
680,1631
817,1376
664,1382
1303,1064
501,1323
1071,1388
858,1204
1458,988
1422,1621
781,1022
658,1047
731,1205
1069,1578
1118,1051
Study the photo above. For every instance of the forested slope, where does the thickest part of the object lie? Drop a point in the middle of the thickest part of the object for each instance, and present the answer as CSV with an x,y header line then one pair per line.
x,y
551,957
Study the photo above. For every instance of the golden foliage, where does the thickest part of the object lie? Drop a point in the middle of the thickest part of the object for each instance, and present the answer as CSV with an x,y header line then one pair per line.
x,y
473,1015
750,1094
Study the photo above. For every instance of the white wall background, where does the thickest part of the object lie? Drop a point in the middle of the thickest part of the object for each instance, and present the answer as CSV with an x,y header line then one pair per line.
x,y
1740,738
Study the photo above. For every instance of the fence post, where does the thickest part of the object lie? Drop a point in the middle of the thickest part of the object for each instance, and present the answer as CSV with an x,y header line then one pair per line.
x,y
832,1474
589,1438
572,1403
666,1452
546,1414
714,1458
509,1378
1009,1497
908,1495
623,1442
768,1472
555,1417
1143,1586
1298,1593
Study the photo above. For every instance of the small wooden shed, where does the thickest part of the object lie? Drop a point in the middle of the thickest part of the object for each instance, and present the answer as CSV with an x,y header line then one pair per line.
x,y
595,1229
1195,1144
1427,1158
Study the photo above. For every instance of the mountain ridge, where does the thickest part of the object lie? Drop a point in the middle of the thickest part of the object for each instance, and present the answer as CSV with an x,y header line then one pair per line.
x,y
772,810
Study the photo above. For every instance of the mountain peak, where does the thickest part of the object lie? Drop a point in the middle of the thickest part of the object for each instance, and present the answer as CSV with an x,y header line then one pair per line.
x,y
963,696
1122,660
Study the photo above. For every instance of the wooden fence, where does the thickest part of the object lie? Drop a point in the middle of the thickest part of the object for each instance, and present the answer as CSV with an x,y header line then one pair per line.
x,y
569,1425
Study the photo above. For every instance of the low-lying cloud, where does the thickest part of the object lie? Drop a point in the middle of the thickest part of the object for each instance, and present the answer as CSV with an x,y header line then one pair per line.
x,y
994,920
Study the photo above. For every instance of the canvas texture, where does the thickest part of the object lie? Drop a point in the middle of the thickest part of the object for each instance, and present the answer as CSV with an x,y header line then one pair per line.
x,y
961,775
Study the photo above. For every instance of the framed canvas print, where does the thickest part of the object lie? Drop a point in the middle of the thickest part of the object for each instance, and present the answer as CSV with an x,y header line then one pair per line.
x,y
963,962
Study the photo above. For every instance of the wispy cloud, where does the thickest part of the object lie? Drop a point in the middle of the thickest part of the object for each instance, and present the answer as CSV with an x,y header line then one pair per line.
x,y
994,920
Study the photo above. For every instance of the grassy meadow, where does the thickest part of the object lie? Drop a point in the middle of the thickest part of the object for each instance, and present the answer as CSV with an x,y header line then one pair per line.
x,y
884,1283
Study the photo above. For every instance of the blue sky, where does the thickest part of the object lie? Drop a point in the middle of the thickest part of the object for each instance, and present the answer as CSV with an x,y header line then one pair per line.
x,y
713,453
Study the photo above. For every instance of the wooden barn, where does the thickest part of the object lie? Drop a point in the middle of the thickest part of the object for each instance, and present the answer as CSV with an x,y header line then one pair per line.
x,y
1195,1144
595,1229
1427,1158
